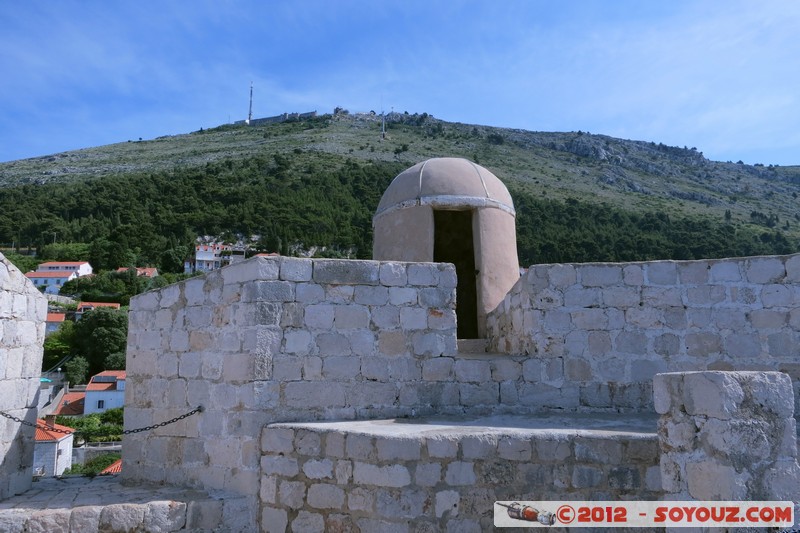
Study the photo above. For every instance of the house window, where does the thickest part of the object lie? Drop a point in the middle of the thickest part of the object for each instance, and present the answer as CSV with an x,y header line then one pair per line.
x,y
101,404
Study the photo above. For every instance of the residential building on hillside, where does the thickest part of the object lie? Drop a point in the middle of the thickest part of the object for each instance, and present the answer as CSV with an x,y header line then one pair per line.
x,y
81,268
51,282
208,257
85,307
71,404
52,451
105,390
148,272
54,321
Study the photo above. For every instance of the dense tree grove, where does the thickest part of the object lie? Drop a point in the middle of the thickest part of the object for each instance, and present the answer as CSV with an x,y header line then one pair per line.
x,y
550,231
153,219
96,342
304,200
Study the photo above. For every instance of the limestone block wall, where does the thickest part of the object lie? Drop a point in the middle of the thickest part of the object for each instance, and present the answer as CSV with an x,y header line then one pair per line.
x,y
279,339
728,436
346,477
23,311
604,330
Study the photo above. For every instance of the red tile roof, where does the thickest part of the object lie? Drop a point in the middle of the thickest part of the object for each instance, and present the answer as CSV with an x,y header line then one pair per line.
x,y
63,263
56,317
71,404
101,384
113,468
53,274
44,435
82,305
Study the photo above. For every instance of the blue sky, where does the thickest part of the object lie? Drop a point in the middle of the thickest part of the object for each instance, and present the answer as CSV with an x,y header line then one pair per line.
x,y
718,75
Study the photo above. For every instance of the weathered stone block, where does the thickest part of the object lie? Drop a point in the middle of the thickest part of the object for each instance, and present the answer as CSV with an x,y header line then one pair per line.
x,y
360,446
361,499
351,316
274,520
346,272
709,480
460,473
413,318
319,316
427,474
309,293
587,476
693,272
599,275
764,270
371,295
598,450
724,271
447,503
314,394
562,275
514,449
324,496
340,368
296,269
703,344
423,274
318,469
268,291
403,296
307,521
475,371
442,448
397,449
407,504
381,476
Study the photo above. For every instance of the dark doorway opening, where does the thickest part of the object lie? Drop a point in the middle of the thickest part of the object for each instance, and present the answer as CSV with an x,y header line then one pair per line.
x,y
452,243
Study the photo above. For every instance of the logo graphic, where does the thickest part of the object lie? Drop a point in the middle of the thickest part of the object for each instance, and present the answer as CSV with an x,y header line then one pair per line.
x,y
527,513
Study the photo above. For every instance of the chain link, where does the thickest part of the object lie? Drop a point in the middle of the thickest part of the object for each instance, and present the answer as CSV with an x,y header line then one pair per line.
x,y
198,409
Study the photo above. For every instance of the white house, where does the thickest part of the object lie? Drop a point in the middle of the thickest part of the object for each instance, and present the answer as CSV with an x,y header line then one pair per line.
x,y
51,281
52,451
81,268
85,307
209,257
105,390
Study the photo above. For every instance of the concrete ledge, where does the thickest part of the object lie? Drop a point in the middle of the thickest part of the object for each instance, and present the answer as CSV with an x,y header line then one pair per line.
x,y
89,505
445,473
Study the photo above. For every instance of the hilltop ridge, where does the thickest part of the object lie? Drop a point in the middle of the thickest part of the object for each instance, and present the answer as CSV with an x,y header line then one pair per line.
x,y
311,159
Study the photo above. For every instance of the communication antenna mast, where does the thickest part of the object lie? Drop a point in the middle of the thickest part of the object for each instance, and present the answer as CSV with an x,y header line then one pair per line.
x,y
250,113
383,123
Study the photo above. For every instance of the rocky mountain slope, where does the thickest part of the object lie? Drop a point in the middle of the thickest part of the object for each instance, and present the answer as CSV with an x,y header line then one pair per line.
x,y
633,175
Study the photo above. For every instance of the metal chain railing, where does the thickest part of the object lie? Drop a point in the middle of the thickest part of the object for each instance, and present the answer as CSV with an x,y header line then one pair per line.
x,y
198,409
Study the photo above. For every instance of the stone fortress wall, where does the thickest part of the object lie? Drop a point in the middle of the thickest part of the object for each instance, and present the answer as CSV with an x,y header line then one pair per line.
x,y
280,351
609,328
23,310
280,339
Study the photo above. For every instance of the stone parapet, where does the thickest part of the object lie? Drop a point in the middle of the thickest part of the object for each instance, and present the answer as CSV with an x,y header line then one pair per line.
x,y
613,326
279,339
727,436
443,475
23,311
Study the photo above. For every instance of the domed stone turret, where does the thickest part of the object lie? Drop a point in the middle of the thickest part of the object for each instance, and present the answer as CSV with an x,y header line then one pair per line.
x,y
452,210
